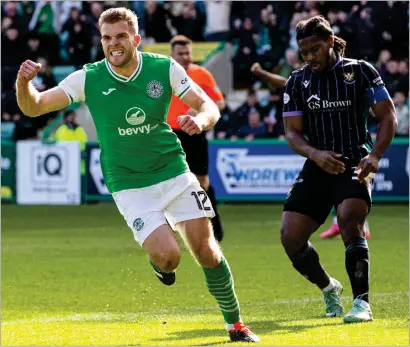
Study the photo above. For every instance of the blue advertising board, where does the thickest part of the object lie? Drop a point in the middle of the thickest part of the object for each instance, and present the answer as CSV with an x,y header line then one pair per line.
x,y
264,170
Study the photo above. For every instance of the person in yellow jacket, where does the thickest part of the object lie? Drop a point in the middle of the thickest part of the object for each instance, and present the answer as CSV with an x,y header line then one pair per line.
x,y
70,130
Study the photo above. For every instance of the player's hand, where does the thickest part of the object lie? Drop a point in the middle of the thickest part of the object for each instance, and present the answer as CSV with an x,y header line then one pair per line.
x,y
191,125
367,167
256,68
28,70
327,161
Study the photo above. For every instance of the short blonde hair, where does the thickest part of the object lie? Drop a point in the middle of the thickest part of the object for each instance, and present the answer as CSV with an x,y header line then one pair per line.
x,y
118,14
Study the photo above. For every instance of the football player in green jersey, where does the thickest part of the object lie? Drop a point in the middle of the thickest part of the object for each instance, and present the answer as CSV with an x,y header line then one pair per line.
x,y
128,94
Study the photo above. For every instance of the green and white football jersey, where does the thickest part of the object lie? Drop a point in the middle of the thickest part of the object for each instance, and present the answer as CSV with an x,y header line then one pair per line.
x,y
138,147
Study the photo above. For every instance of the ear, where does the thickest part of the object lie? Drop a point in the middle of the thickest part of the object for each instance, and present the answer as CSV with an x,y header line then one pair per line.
x,y
137,40
331,41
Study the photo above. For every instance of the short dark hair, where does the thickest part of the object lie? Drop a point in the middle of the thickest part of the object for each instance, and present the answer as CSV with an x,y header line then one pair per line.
x,y
319,26
180,40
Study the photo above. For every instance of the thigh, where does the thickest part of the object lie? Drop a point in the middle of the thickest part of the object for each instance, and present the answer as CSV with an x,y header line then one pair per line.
x,y
296,230
348,187
191,203
311,194
351,217
199,239
161,244
142,210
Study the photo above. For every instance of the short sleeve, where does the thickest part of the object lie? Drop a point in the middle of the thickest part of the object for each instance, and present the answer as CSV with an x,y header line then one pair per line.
x,y
74,85
180,81
292,105
373,84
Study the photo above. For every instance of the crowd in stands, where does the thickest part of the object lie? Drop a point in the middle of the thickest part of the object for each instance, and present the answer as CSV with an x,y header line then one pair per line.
x,y
66,33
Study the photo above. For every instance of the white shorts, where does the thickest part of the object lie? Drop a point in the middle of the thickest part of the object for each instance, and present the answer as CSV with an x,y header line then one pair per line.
x,y
177,199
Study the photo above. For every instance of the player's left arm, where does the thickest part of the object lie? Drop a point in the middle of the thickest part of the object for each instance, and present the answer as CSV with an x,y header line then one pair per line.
x,y
192,95
383,108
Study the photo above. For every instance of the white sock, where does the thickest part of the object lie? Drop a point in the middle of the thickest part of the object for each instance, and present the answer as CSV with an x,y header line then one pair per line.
x,y
335,220
229,327
329,286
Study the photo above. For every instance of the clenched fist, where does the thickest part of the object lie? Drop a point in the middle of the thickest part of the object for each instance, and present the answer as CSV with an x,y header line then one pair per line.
x,y
28,70
190,125
256,68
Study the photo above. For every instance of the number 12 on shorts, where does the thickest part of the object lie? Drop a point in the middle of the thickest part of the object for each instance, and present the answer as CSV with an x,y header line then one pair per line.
x,y
201,199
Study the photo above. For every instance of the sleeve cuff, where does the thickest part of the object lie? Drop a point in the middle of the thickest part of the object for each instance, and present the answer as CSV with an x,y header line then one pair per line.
x,y
292,113
184,92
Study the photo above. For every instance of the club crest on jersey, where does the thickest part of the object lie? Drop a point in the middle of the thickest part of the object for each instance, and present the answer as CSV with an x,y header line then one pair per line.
x,y
155,89
135,116
349,77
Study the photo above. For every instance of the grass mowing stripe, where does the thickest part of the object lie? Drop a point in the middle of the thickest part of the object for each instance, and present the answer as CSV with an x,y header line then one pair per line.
x,y
129,315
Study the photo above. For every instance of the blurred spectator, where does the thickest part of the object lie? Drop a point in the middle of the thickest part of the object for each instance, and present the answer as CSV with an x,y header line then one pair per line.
x,y
381,64
391,77
403,70
255,128
11,18
46,23
79,45
289,64
217,20
33,47
402,112
246,53
273,114
223,127
156,22
392,24
66,8
92,11
240,117
14,45
272,40
190,23
70,130
362,44
44,79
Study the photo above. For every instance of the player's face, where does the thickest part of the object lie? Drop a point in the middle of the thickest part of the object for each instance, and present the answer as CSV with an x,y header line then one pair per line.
x,y
316,51
182,55
119,43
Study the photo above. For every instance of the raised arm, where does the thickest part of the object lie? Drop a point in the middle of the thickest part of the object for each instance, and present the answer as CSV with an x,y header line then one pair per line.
x,y
33,103
274,80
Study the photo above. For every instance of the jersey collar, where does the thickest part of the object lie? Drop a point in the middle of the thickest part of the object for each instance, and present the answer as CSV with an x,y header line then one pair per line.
x,y
122,78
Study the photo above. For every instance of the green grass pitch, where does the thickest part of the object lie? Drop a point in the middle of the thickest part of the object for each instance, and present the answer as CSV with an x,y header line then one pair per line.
x,y
74,276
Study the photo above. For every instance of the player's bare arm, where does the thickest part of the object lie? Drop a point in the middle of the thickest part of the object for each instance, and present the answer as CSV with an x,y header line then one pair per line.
x,y
386,113
274,80
325,159
31,102
208,112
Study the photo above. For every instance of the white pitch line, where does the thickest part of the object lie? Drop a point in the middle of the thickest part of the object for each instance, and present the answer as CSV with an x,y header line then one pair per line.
x,y
127,316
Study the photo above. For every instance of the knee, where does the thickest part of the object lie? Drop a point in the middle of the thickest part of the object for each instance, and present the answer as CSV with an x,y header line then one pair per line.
x,y
208,254
168,260
351,225
290,241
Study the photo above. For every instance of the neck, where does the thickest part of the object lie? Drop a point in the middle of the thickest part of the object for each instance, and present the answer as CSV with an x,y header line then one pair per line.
x,y
332,60
129,68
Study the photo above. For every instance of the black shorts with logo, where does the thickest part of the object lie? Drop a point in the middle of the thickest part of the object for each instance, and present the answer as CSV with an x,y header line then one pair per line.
x,y
315,192
196,150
